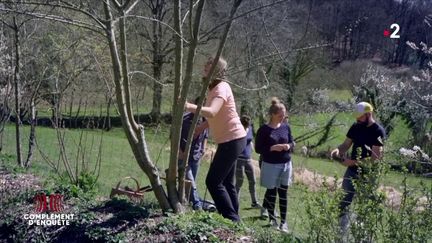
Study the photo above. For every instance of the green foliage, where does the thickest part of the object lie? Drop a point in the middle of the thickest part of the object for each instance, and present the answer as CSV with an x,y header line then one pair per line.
x,y
369,206
412,222
322,211
85,188
196,226
371,220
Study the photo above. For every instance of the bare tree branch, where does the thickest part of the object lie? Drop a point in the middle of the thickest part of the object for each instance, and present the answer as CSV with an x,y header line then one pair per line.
x,y
149,76
256,60
240,16
77,23
161,22
131,7
187,12
65,5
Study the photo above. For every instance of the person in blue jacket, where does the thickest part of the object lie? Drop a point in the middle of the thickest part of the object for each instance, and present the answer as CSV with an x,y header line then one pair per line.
x,y
244,164
197,151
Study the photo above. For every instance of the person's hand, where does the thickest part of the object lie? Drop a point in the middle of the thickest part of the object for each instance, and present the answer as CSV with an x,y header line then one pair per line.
x,y
277,147
335,154
189,107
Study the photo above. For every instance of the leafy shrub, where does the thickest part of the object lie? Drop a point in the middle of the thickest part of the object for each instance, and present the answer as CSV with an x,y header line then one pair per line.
x,y
371,220
197,227
412,222
85,188
369,208
322,211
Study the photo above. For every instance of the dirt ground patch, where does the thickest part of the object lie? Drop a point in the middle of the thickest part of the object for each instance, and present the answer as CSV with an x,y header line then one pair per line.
x,y
97,220
13,183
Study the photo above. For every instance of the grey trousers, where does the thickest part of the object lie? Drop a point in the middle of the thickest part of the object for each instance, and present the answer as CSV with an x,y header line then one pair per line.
x,y
244,166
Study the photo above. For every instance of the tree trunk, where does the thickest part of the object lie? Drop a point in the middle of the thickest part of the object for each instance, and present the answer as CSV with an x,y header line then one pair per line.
x,y
107,122
157,94
157,61
17,89
177,121
261,109
133,131
186,84
70,108
32,136
78,111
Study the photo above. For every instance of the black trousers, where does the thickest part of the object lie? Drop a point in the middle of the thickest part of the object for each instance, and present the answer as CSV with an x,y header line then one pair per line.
x,y
220,178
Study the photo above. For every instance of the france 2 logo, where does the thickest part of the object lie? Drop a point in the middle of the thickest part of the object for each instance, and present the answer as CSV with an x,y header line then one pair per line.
x,y
51,203
395,34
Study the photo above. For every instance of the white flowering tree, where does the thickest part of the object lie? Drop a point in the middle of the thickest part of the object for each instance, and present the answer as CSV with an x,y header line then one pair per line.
x,y
409,97
383,91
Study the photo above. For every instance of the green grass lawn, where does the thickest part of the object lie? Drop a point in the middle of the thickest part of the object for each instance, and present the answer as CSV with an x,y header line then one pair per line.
x,y
118,162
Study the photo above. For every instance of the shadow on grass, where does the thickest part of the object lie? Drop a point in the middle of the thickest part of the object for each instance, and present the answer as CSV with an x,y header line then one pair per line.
x,y
119,214
106,222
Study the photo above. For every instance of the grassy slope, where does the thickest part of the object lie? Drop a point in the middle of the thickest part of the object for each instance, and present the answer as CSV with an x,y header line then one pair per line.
x,y
118,162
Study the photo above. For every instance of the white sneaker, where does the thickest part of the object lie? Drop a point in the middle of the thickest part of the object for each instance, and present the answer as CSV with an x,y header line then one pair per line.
x,y
283,227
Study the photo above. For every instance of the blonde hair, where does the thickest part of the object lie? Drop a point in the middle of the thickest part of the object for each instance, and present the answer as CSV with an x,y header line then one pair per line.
x,y
276,106
220,70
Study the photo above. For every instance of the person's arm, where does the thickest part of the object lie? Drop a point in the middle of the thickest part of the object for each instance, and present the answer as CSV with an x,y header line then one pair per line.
x,y
207,111
377,152
340,152
200,129
378,146
342,149
260,146
249,136
291,141
204,144
280,147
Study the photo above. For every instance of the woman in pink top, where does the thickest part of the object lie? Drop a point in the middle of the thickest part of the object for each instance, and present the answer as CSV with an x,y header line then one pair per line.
x,y
228,132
